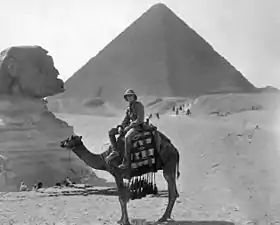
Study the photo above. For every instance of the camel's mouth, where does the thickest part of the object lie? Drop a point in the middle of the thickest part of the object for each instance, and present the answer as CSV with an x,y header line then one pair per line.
x,y
63,144
71,142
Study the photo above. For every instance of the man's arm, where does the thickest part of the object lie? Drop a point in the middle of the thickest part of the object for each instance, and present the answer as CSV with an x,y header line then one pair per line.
x,y
140,112
125,121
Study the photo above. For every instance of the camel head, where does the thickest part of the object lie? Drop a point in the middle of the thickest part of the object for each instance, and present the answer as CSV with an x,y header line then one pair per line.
x,y
72,142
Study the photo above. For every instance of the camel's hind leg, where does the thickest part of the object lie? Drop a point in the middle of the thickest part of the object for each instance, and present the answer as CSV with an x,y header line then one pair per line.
x,y
169,173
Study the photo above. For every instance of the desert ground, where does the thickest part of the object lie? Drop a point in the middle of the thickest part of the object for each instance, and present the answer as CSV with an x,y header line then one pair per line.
x,y
229,173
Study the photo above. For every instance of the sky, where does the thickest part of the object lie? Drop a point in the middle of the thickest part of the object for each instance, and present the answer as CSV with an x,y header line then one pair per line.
x,y
245,32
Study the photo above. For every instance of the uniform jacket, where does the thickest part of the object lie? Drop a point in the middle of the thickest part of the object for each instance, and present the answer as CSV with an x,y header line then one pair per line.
x,y
134,115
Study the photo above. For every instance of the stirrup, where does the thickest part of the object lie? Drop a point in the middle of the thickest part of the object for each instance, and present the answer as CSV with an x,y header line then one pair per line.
x,y
113,153
123,166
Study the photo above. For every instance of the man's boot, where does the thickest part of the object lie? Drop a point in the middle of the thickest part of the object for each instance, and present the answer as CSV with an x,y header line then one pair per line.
x,y
126,160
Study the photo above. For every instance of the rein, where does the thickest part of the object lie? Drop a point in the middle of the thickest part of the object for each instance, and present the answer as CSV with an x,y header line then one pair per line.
x,y
69,160
69,163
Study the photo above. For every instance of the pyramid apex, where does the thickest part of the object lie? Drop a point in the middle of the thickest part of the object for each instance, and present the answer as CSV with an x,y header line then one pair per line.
x,y
159,7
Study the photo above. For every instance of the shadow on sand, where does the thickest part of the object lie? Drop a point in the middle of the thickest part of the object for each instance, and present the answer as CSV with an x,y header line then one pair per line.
x,y
114,192
183,222
78,191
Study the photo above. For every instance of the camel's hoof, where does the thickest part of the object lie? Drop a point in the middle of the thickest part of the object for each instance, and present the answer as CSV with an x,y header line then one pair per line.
x,y
121,222
164,219
126,223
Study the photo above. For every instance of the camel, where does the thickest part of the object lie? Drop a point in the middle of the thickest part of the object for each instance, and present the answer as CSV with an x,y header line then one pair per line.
x,y
168,163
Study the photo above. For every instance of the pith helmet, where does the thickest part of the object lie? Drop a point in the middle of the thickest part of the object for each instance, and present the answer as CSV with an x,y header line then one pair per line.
x,y
129,92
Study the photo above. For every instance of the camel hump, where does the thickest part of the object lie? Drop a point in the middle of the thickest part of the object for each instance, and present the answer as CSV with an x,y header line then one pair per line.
x,y
164,137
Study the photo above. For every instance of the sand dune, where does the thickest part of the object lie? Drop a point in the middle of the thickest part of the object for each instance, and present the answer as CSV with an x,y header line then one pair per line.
x,y
235,103
216,104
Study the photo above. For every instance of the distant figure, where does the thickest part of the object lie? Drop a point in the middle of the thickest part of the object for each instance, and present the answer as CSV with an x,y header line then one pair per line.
x,y
150,116
37,186
23,186
188,113
180,107
34,187
173,109
157,115
147,120
68,182
45,100
177,111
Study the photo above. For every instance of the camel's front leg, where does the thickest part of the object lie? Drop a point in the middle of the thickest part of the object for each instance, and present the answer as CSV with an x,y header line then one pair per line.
x,y
124,219
120,221
123,199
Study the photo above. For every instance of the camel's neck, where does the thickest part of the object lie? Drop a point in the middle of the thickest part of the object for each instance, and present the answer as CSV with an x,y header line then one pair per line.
x,y
93,160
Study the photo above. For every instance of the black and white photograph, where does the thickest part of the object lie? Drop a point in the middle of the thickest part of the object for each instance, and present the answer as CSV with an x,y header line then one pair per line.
x,y
140,112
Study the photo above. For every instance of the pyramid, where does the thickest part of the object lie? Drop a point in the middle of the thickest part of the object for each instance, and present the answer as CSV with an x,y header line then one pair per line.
x,y
157,55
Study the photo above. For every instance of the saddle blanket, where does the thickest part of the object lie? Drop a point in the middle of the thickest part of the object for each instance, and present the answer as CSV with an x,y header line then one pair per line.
x,y
143,150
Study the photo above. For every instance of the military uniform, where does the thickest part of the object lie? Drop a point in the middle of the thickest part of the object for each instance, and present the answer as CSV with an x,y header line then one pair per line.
x,y
134,118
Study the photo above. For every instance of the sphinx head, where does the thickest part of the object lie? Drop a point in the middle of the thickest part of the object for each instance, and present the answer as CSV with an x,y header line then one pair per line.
x,y
29,71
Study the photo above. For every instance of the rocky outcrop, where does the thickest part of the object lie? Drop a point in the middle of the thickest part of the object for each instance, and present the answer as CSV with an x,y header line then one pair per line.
x,y
157,55
30,134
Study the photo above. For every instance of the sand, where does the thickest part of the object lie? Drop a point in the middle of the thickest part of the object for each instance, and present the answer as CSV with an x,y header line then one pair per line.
x,y
229,172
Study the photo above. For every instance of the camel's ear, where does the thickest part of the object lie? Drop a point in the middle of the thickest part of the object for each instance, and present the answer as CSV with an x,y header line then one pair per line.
x,y
80,137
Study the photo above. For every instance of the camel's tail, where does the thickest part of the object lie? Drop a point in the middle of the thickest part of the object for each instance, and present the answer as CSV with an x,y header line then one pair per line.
x,y
177,164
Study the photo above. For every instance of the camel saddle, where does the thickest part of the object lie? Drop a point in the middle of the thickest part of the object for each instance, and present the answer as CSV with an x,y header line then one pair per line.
x,y
144,150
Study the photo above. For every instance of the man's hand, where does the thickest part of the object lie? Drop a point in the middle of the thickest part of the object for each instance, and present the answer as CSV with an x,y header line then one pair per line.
x,y
120,130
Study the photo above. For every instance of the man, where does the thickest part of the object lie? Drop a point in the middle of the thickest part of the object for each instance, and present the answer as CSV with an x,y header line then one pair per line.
x,y
134,118
23,186
157,115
